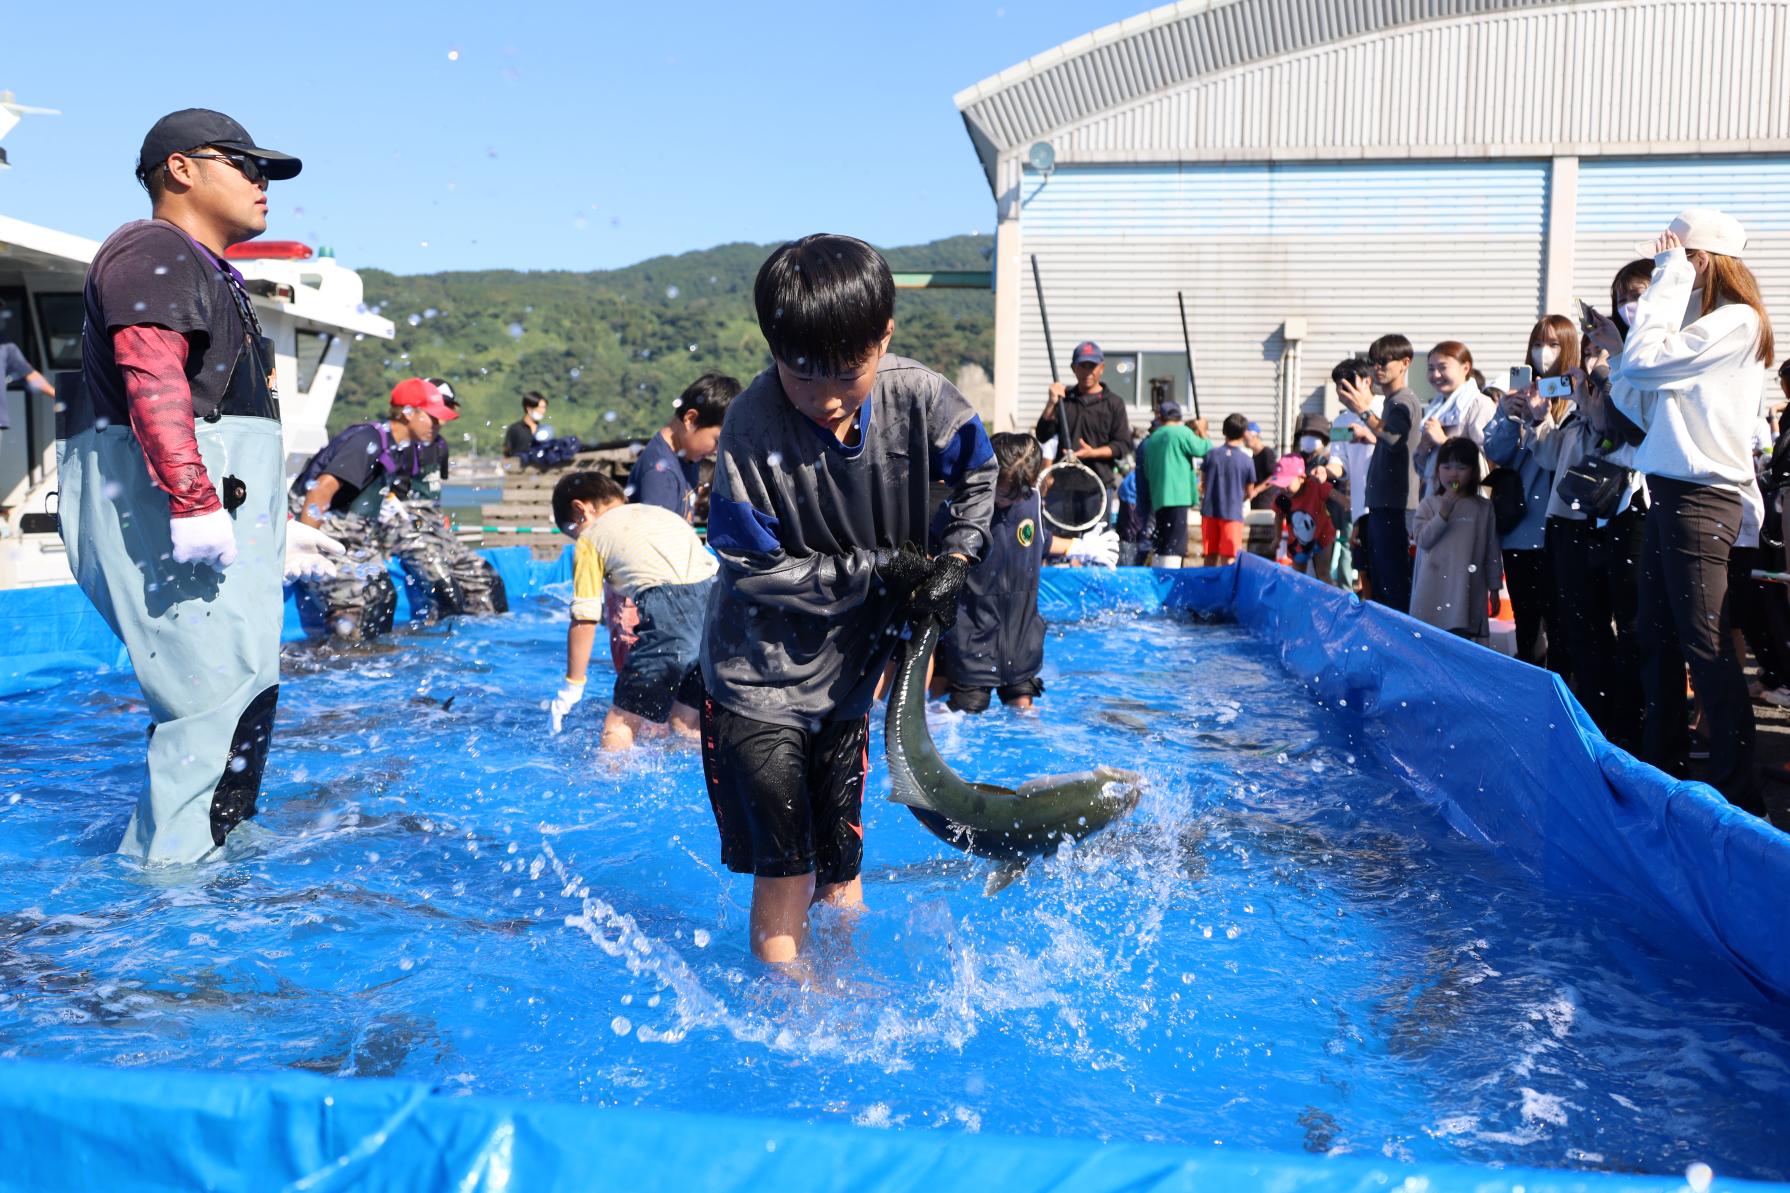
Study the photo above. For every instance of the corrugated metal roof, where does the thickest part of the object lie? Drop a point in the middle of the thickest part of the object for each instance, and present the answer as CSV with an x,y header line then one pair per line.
x,y
1316,79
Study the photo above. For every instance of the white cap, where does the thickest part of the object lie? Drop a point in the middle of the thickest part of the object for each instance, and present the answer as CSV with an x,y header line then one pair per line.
x,y
1707,229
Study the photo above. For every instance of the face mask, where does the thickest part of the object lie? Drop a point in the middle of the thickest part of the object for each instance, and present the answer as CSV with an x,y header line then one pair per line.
x,y
1544,357
1628,311
1308,443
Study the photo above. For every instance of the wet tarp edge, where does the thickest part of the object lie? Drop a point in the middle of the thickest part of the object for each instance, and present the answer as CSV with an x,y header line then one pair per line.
x,y
70,1127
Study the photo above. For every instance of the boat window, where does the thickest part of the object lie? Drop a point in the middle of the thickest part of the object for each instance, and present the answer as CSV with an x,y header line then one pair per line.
x,y
61,316
311,348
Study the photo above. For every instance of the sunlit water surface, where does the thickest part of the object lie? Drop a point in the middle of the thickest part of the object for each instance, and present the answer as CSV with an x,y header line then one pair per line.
x,y
1282,948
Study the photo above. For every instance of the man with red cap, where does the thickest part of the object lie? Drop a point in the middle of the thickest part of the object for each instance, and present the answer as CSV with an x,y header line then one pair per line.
x,y
359,479
170,461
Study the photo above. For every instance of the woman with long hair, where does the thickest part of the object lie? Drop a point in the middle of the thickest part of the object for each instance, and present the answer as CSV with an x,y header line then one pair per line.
x,y
1459,409
1595,556
1694,388
1509,443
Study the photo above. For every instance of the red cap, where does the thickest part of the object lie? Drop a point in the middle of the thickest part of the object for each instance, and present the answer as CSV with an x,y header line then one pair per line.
x,y
414,391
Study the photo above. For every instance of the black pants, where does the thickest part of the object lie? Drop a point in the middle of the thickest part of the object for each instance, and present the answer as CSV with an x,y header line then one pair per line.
x,y
1759,611
1389,544
1596,602
1684,619
1529,575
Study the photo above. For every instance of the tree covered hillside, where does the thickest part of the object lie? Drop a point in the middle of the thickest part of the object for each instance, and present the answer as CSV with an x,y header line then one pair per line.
x,y
613,348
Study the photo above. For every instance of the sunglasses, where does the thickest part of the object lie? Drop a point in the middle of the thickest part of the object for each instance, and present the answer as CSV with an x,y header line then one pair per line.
x,y
250,167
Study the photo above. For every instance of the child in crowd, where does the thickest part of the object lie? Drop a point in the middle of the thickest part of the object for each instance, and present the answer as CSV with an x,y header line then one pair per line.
x,y
652,557
998,641
1228,484
1458,563
666,473
825,475
1306,503
1168,464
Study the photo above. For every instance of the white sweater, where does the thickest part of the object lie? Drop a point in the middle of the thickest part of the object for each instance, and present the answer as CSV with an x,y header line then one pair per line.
x,y
1695,389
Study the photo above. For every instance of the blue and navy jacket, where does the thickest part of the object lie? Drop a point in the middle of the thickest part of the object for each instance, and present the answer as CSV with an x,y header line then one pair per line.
x,y
799,627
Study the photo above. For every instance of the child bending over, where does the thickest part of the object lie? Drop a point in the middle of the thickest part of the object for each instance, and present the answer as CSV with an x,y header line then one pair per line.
x,y
652,557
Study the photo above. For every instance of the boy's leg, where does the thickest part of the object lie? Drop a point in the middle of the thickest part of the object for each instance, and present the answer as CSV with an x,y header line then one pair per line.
x,y
619,728
779,921
1320,561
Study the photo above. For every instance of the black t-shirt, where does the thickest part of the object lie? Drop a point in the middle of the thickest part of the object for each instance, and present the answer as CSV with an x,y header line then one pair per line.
x,y
357,457
1099,420
149,273
519,438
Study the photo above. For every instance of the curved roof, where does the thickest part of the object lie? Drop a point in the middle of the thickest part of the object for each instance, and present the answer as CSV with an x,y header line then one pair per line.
x,y
1148,88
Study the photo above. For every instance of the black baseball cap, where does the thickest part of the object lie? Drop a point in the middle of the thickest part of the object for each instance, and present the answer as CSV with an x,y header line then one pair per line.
x,y
192,128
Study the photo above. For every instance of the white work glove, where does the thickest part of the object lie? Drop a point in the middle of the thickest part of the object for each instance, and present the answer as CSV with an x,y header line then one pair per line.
x,y
205,538
392,511
308,552
1099,547
570,693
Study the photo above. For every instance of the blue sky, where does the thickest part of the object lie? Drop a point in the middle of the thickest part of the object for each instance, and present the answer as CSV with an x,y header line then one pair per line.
x,y
572,136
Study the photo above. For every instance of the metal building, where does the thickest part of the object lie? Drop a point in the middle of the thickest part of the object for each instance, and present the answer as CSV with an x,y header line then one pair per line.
x,y
1313,173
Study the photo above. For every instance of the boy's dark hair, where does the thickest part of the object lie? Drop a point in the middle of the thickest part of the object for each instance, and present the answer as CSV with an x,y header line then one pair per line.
x,y
1021,460
1356,368
531,399
824,302
1462,450
1387,349
1235,426
708,395
593,487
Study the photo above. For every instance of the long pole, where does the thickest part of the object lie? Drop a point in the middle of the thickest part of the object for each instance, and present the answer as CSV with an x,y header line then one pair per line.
x,y
1044,314
1193,390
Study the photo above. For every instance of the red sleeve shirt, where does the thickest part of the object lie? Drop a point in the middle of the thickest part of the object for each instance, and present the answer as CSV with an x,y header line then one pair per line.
x,y
152,361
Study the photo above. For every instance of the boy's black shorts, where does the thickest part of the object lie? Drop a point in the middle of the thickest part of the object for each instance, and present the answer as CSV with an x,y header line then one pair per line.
x,y
1170,533
787,801
976,699
659,668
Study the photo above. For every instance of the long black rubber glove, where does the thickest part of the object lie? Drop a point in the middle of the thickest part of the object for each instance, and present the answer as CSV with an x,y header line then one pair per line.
x,y
904,570
937,594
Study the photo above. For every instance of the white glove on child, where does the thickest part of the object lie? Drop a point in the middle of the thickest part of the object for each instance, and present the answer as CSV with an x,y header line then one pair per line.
x,y
1098,547
205,538
570,693
308,552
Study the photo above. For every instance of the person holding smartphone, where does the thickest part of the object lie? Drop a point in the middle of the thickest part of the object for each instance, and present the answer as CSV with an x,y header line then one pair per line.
x,y
1525,413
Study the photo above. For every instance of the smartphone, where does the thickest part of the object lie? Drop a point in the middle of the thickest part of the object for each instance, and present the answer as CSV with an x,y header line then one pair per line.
x,y
1521,377
1588,317
1555,387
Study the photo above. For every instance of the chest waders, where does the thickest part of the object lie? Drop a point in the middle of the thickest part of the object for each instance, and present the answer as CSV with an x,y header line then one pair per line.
x,y
205,645
359,602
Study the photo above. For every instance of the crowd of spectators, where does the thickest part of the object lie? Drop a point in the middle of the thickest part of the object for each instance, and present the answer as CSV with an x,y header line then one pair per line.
x,y
1618,497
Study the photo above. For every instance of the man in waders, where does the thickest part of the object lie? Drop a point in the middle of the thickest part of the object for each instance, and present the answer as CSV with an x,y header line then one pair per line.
x,y
459,579
170,459
354,490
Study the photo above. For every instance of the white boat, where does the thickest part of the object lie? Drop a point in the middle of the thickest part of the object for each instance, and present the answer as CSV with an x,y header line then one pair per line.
x,y
310,306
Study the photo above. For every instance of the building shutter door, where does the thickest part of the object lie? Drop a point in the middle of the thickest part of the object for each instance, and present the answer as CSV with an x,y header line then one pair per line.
x,y
1431,250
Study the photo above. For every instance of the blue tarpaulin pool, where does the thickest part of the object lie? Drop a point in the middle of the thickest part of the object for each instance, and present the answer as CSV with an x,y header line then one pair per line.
x,y
1525,959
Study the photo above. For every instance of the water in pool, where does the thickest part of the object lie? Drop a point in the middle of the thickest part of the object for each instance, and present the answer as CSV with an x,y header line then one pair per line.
x,y
1282,948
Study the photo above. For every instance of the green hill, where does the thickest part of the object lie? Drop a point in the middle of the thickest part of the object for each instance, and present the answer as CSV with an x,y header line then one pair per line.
x,y
612,348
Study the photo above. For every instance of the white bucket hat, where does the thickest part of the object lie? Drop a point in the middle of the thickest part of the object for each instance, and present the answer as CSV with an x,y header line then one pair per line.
x,y
1707,229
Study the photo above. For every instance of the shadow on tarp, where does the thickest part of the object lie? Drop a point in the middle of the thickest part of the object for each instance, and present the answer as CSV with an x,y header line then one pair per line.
x,y
1502,748
65,1127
